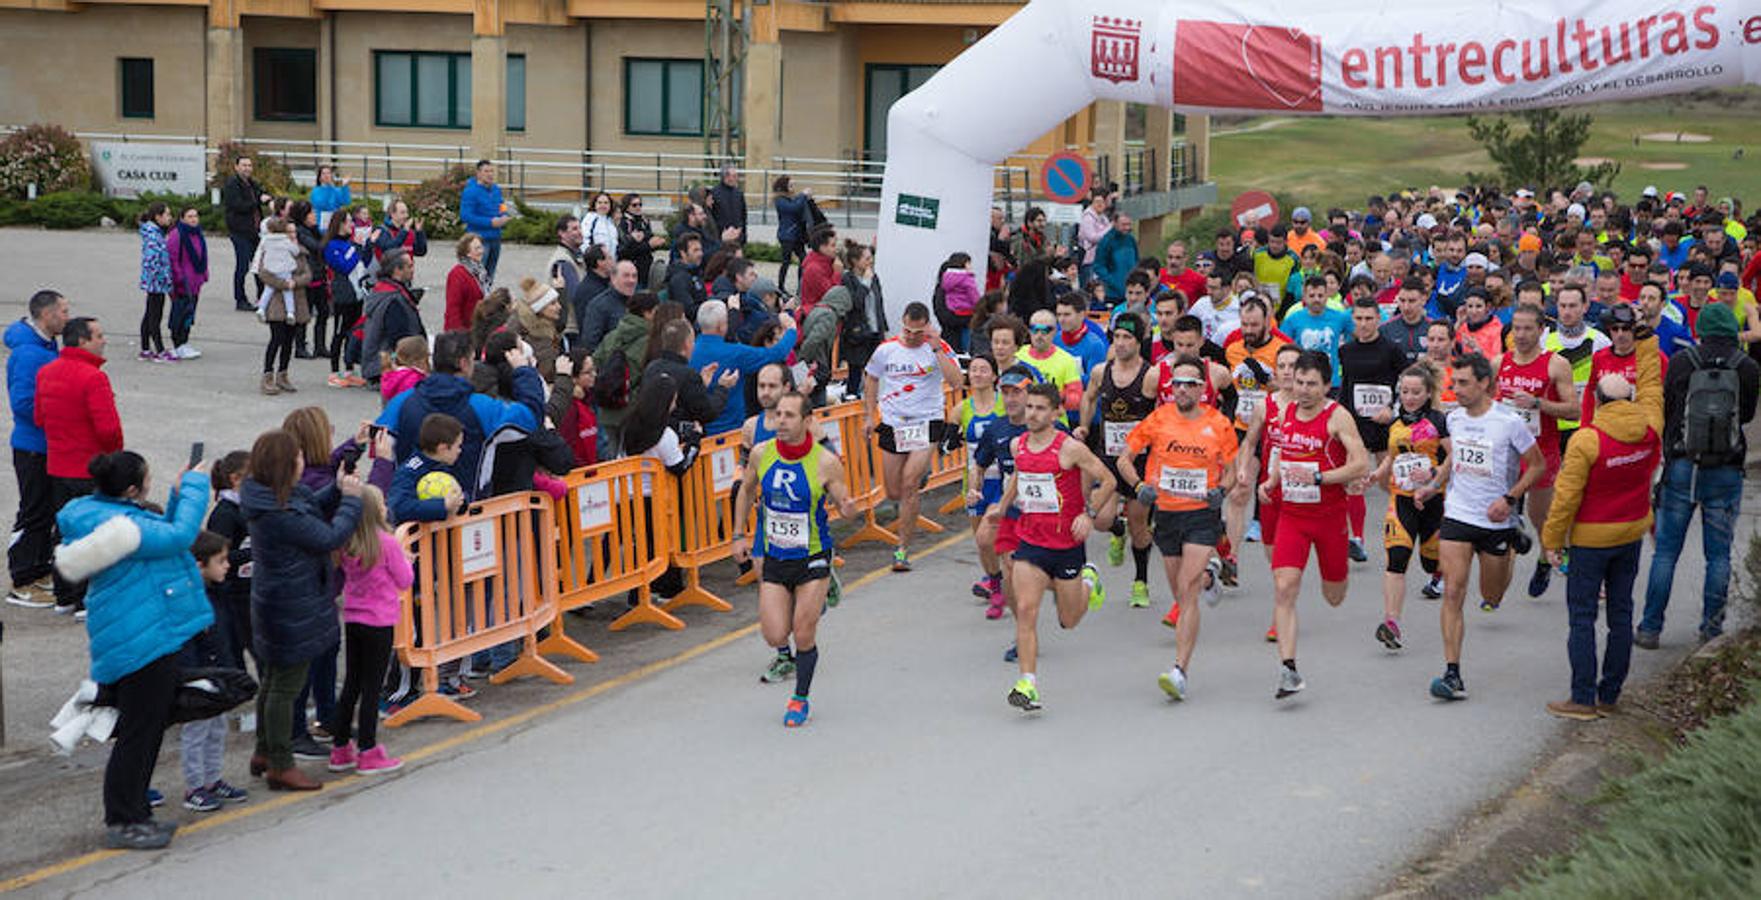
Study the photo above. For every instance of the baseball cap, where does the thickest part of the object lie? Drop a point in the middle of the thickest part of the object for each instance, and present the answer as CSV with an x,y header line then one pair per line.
x,y
1649,191
1576,210
1529,243
1525,193
1727,281
763,286
1477,259
1426,221
1018,375
1621,314
1301,214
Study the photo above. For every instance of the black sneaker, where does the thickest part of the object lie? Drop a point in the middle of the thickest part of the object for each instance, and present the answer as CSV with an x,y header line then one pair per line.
x,y
1356,549
137,836
1538,582
304,747
1645,639
1448,687
1433,589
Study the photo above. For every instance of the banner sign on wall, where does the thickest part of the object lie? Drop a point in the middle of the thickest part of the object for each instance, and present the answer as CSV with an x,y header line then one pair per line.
x,y
130,170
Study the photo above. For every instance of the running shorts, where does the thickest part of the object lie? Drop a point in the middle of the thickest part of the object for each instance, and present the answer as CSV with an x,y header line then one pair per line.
x,y
1175,529
792,573
1325,532
1062,565
883,434
1491,541
1406,525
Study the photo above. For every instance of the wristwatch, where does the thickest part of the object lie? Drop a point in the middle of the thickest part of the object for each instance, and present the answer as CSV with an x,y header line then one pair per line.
x,y
1318,479
1509,500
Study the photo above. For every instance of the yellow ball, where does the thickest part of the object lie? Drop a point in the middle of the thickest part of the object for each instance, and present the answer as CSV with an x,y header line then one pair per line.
x,y
436,485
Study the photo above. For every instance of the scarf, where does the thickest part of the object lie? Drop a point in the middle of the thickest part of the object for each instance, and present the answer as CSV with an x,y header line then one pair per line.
x,y
194,246
478,272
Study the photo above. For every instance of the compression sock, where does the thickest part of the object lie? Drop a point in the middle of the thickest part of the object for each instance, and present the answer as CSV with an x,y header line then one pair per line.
x,y
1356,509
1290,664
1140,557
1118,528
1452,669
805,660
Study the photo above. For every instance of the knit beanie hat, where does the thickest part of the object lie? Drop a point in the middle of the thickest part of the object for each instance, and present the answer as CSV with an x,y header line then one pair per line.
x,y
538,294
1716,320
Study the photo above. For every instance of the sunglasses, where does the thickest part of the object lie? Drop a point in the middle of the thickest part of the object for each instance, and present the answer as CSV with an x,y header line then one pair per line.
x,y
1187,382
1042,329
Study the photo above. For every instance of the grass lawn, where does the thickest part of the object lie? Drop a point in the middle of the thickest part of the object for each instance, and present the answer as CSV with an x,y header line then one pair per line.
x,y
1340,161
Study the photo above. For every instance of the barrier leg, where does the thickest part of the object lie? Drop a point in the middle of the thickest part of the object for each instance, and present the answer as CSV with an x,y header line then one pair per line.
x,y
695,595
925,523
871,532
431,703
746,578
530,665
560,644
955,504
645,612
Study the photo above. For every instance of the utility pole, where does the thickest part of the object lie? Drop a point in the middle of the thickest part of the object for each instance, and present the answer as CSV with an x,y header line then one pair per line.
x,y
724,63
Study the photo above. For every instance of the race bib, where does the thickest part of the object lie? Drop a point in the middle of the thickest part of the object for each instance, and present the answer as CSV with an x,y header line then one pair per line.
x,y
1411,470
1371,399
1473,456
1113,437
1530,417
1298,479
1036,492
907,438
1190,484
1247,403
785,530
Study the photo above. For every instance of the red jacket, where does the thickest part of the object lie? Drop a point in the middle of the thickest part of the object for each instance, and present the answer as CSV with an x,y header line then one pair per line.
x,y
816,279
463,293
77,410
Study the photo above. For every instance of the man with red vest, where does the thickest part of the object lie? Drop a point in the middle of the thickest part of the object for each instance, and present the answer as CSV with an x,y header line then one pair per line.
x,y
77,411
1602,509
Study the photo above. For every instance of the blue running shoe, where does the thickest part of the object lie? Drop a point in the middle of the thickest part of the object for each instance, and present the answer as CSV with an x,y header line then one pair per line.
x,y
795,715
154,798
1009,654
1448,687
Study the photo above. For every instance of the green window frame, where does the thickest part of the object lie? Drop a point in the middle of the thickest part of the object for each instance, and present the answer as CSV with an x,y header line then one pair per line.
x,y
134,87
883,85
405,82
516,92
656,111
284,84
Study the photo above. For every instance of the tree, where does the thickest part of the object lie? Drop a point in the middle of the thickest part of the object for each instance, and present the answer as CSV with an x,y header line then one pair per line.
x,y
1542,155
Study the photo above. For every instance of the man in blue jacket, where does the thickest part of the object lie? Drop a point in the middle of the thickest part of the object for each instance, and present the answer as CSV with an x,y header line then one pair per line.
x,y
713,347
484,212
448,390
31,343
1115,256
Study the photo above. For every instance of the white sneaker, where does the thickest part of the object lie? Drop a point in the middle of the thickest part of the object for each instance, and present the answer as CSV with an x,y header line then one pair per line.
x,y
1173,683
26,598
188,352
1210,593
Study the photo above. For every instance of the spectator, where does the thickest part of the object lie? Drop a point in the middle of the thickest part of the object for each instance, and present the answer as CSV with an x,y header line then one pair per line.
x,y
466,284
330,194
538,319
619,361
702,393
697,221
346,255
593,283
684,281
791,223
76,409
147,600
491,316
390,313
284,305
155,221
399,232
1089,231
865,326
1115,256
1702,466
817,276
636,238
954,297
448,390
730,203
310,239
713,348
567,264
605,311
293,611
1032,242
600,228
30,345
188,249
484,212
409,364
243,199
819,334
570,405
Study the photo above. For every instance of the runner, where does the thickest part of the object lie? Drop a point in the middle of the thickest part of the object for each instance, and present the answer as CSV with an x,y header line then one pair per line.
x,y
1317,453
1252,352
1620,357
1490,444
1408,329
772,380
1370,366
1050,470
1440,356
1261,437
1535,384
996,450
981,409
1191,450
904,381
791,477
1055,365
1117,391
1314,326
1416,469
1577,342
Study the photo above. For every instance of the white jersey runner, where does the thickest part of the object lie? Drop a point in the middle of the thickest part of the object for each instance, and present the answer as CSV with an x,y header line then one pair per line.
x,y
1488,458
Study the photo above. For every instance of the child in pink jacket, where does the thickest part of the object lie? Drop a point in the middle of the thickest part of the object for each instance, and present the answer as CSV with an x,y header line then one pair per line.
x,y
375,575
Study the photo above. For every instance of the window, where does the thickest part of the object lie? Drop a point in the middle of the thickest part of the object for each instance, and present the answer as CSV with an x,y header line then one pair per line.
x,y
285,84
136,90
516,92
886,84
422,90
663,97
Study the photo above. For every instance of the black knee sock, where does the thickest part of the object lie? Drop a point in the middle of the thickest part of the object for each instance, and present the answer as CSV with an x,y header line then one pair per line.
x,y
805,660
1452,669
784,651
1290,664
1140,557
1118,528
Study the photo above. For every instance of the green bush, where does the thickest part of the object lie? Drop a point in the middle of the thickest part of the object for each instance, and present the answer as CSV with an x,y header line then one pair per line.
x,y
758,251
45,155
436,202
14,212
71,209
266,169
531,226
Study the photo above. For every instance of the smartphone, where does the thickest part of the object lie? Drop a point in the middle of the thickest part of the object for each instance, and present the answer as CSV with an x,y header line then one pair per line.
x,y
373,433
196,450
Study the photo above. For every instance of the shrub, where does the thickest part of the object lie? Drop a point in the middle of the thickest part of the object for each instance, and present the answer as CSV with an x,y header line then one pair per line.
x,y
436,202
14,211
45,155
531,226
267,171
129,210
758,251
71,209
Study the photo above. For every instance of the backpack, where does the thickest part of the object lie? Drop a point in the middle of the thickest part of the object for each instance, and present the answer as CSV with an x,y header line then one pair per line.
x,y
612,389
1710,430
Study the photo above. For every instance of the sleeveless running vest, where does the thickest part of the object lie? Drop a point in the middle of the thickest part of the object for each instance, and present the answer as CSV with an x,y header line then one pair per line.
x,y
1305,448
1532,378
1049,496
792,522
1121,409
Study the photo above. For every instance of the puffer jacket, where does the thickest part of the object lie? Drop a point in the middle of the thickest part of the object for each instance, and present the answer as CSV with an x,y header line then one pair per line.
x,y
1637,423
28,351
145,597
293,617
819,333
155,260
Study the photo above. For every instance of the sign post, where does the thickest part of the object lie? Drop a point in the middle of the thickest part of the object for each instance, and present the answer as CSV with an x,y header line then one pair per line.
x,y
130,170
1065,178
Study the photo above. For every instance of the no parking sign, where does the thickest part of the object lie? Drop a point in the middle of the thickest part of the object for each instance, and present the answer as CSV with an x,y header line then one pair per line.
x,y
1065,178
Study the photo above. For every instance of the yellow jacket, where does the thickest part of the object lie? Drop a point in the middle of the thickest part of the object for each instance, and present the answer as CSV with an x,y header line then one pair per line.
x,y
1623,420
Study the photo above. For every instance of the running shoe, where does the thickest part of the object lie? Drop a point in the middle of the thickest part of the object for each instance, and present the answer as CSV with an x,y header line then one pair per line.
x,y
901,560
27,598
1253,532
458,690
1272,635
1356,550
1097,592
1211,595
834,592
336,381
147,356
186,351
795,714
1433,589
1173,683
1539,581
1288,682
343,757
1025,696
1172,619
166,356
782,668
1389,634
154,798
1489,606
1140,595
226,793
1230,574
996,608
1009,654
1448,687
1116,550
982,587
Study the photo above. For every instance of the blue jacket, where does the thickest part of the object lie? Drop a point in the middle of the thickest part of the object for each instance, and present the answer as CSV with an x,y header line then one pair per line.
x,y
1091,350
1115,256
28,352
791,219
293,615
713,348
330,198
402,502
145,597
477,206
481,414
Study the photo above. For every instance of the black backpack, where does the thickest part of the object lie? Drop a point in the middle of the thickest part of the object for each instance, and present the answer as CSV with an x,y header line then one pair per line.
x,y
1711,432
612,390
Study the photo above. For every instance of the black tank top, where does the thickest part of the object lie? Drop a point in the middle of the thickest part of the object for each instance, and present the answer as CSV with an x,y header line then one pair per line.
x,y
1128,404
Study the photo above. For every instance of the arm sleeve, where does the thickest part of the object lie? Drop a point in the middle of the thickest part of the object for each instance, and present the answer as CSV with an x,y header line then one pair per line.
x,y
175,533
403,503
1568,487
397,565
107,423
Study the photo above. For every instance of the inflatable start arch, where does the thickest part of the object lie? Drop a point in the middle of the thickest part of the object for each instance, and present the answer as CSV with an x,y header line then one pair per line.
x,y
1284,57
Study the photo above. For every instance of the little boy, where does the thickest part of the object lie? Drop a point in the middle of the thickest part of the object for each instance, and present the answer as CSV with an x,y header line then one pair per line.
x,y
204,741
439,442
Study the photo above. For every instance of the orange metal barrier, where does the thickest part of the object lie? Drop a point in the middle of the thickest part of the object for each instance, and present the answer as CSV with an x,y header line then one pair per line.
x,y
611,538
478,585
704,526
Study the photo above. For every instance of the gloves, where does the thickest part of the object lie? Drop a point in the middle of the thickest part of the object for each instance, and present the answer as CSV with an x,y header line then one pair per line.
x,y
1146,493
1214,497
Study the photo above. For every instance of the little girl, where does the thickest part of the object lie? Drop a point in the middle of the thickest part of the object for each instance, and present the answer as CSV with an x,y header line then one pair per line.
x,y
375,572
155,280
411,358
279,255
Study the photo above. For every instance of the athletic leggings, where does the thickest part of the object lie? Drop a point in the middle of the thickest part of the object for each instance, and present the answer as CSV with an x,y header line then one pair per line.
x,y
183,318
366,651
280,349
318,297
340,358
150,335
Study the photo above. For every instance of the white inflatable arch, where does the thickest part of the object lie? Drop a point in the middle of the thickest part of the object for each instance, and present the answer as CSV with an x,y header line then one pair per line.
x,y
1054,57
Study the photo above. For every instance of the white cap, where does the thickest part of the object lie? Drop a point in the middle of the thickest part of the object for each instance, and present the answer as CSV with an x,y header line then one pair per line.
x,y
1576,209
1426,221
1525,193
1649,191
1477,259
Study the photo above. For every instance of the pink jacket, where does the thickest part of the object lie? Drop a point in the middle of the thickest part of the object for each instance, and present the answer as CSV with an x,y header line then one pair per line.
x,y
960,291
397,381
370,596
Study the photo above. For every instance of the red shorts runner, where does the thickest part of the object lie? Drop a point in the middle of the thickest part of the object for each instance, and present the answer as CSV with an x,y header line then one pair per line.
x,y
1007,540
1325,532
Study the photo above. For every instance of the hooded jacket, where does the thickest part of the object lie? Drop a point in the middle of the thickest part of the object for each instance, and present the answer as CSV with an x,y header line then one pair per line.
x,y
155,262
480,414
145,597
390,311
77,411
630,336
1602,497
189,267
293,617
819,333
28,351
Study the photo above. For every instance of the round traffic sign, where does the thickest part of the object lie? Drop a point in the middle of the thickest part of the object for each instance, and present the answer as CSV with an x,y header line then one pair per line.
x,y
1253,208
1065,178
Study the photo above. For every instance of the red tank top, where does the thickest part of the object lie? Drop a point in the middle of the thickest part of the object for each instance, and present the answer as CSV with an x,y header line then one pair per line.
x,y
1048,495
1618,486
1533,379
1310,448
